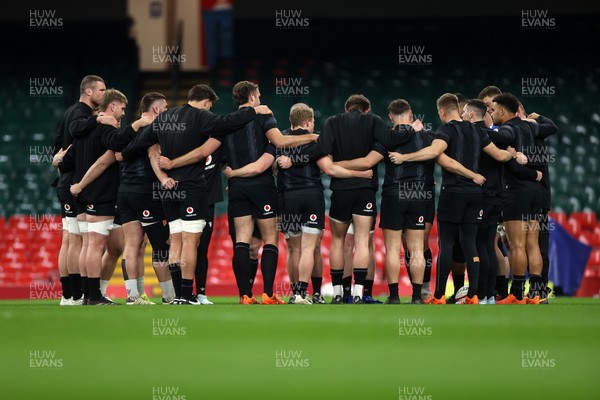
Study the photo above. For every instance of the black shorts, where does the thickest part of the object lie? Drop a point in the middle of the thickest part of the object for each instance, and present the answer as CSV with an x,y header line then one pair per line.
x,y
460,208
345,203
259,200
67,202
106,209
139,207
430,209
399,214
188,204
492,211
79,206
303,208
523,206
117,220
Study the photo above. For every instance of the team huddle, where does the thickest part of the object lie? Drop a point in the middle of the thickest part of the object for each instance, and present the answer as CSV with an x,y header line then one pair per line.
x,y
160,177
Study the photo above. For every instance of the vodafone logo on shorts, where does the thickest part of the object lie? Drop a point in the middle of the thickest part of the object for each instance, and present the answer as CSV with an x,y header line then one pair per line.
x,y
369,206
480,214
421,219
189,210
267,208
67,207
208,160
146,213
313,217
90,206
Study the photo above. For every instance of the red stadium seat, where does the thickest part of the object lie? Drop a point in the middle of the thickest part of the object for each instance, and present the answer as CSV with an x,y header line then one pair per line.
x,y
590,238
586,219
434,227
573,227
594,258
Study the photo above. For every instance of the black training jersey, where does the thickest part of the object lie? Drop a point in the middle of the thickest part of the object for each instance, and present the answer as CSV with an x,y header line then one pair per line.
x,y
521,135
537,156
465,144
212,174
352,135
489,167
409,171
137,175
248,144
73,116
301,175
87,150
180,130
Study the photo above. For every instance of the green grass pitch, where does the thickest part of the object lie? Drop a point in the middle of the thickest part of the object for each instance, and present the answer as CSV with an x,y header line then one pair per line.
x,y
228,351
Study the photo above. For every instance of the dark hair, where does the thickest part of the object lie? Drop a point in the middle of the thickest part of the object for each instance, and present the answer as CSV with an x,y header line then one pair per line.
x,y
508,101
242,91
398,107
109,96
357,102
489,91
89,81
202,92
148,99
447,102
478,106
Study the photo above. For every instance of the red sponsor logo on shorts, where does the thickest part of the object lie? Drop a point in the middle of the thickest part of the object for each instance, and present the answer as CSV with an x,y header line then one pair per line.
x,y
146,213
421,219
481,213
369,206
189,210
313,217
267,208
90,207
67,207
208,160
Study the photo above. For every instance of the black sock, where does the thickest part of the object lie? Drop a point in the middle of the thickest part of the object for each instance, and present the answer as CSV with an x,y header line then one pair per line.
x,y
416,294
94,288
535,286
302,288
428,263
393,290
347,285
295,288
187,288
175,269
368,287
360,276
85,287
241,268
66,287
458,280
502,286
316,284
518,286
76,286
336,277
268,266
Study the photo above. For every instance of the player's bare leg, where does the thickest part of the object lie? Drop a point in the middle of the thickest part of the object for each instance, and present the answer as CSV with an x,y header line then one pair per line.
x,y
336,257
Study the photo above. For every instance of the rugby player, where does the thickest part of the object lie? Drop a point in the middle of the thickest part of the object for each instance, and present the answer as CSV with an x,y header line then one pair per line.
x,y
524,200
459,208
76,120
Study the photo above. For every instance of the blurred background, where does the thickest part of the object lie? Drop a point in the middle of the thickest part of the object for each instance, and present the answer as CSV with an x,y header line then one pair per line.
x,y
314,52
